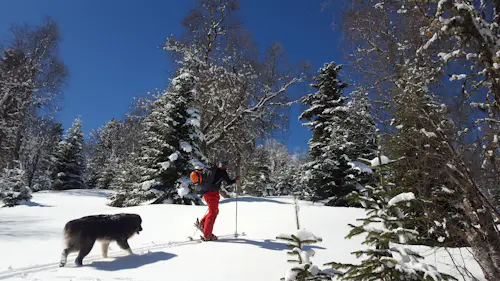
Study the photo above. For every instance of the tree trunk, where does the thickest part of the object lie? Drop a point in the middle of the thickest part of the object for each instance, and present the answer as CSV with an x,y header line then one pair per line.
x,y
483,237
31,174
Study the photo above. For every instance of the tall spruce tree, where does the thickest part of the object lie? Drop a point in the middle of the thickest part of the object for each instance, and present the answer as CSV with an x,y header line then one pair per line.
x,y
329,163
68,161
169,150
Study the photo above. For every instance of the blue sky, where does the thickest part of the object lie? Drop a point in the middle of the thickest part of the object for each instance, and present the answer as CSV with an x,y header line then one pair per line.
x,y
113,48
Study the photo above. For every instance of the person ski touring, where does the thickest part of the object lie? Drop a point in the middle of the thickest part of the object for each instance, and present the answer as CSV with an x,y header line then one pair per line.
x,y
210,180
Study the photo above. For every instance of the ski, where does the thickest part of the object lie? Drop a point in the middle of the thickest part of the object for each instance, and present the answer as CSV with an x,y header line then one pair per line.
x,y
192,240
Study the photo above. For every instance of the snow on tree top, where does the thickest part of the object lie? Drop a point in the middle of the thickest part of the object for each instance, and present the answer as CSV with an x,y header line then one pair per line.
x,y
375,162
407,196
302,235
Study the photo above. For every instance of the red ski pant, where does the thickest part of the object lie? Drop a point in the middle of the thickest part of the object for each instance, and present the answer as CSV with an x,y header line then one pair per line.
x,y
212,198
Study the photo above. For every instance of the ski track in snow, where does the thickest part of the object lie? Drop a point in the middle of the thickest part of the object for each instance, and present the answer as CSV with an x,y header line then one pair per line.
x,y
31,240
112,254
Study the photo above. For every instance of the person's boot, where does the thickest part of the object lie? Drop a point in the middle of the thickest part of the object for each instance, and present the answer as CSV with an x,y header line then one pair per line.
x,y
210,237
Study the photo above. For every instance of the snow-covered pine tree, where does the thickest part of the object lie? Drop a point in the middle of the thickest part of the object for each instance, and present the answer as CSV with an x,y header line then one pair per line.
x,y
126,184
13,186
303,268
106,146
257,179
360,141
68,160
283,167
388,257
327,170
169,150
286,178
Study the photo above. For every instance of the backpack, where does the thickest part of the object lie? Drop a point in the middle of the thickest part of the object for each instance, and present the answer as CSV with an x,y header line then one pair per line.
x,y
203,178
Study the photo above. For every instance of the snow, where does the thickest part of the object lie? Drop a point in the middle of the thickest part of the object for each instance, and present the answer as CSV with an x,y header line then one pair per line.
x,y
31,236
362,167
375,161
458,77
402,197
173,156
147,185
183,189
302,235
165,165
186,146
428,134
445,57
463,6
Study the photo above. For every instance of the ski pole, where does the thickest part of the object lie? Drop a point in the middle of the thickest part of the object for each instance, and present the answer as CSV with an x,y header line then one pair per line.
x,y
236,226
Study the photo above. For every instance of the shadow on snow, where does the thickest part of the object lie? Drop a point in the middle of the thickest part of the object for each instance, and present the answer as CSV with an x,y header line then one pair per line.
x,y
132,261
33,204
265,244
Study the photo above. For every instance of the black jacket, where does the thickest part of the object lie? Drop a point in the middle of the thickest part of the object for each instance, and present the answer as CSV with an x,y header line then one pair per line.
x,y
220,175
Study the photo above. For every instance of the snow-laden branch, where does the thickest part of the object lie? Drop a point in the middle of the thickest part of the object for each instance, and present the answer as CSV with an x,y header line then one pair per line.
x,y
259,106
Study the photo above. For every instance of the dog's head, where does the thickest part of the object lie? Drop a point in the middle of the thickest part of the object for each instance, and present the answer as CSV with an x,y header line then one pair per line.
x,y
135,222
138,221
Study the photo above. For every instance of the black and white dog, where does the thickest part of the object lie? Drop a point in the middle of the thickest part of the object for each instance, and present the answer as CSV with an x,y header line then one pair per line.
x,y
81,234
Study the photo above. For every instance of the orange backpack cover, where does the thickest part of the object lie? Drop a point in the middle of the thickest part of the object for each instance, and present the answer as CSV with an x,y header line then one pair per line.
x,y
196,176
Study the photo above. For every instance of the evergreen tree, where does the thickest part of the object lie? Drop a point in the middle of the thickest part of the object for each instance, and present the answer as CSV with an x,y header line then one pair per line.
x,y
68,161
360,137
128,191
327,170
169,150
257,179
386,209
303,269
106,150
286,179
13,187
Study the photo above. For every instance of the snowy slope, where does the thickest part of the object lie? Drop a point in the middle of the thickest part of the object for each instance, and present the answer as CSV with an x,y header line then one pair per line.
x,y
31,236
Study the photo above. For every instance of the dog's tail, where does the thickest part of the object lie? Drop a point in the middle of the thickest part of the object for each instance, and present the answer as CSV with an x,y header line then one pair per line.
x,y
71,235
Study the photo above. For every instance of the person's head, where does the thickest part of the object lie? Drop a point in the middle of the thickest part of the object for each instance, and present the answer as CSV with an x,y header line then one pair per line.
x,y
223,164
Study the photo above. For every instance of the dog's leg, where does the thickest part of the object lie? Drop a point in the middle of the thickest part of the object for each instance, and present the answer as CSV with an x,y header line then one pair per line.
x,y
65,253
104,248
84,251
124,245
64,257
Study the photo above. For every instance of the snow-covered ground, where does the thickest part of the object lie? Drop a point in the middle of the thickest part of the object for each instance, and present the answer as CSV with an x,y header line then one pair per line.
x,y
31,240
